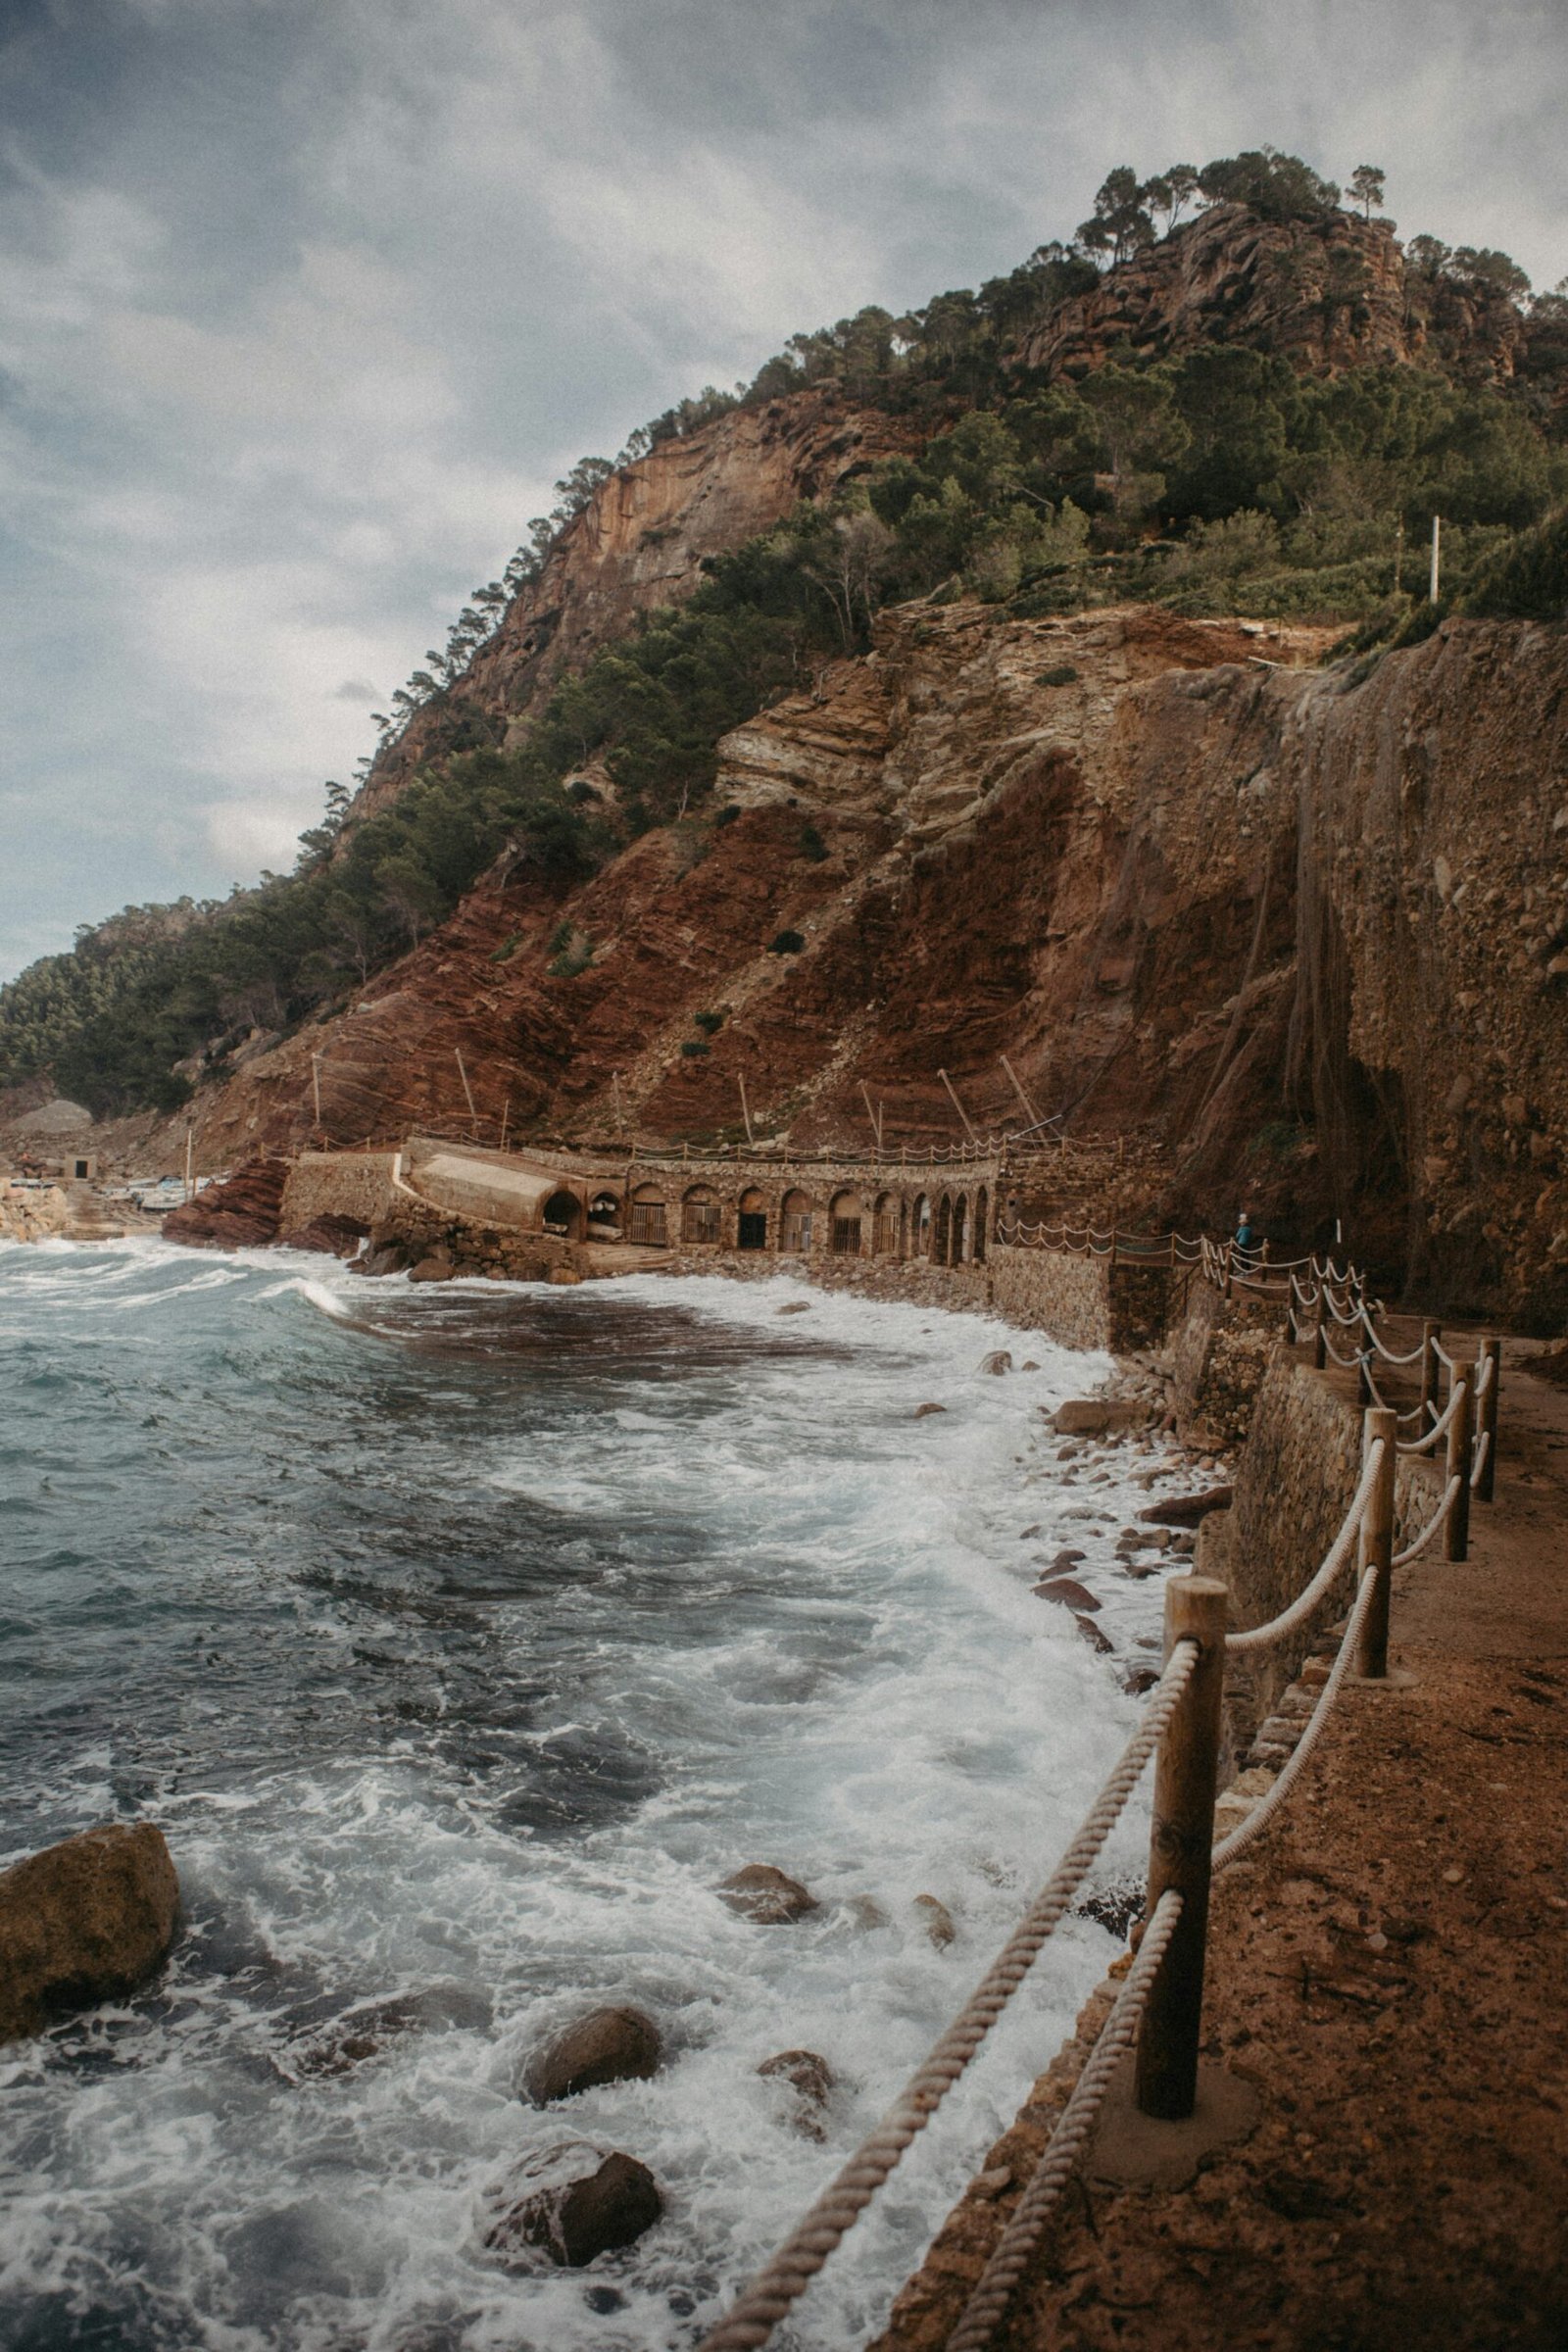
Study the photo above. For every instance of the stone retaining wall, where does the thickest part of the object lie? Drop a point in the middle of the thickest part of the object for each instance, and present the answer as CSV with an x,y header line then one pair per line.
x,y
338,1184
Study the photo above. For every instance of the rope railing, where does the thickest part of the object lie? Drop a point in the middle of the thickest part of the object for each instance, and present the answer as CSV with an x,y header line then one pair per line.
x,y
1325,1576
1414,1550
1439,1427
781,2282
983,2312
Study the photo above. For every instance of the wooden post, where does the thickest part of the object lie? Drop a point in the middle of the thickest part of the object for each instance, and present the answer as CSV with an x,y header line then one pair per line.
x,y
1230,1268
620,1117
876,1124
1321,1330
1456,1533
1492,1352
1377,1542
958,1106
746,1114
1180,1846
315,1087
1431,1334
505,1113
191,1173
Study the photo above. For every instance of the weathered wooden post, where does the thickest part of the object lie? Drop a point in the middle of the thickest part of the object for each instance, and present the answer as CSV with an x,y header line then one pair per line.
x,y
1492,1352
1431,1334
1320,1329
1377,1542
1180,1846
1457,1532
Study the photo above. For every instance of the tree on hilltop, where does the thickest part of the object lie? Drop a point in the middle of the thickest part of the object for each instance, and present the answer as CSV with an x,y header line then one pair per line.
x,y
1121,222
1366,188
1275,186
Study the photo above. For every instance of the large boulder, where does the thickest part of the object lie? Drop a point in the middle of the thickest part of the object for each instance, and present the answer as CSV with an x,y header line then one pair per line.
x,y
810,2078
607,2045
769,1896
242,1214
1185,1510
1092,1416
83,1922
569,2202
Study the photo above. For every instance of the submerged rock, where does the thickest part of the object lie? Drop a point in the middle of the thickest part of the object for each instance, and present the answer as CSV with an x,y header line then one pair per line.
x,y
1068,1591
571,2203
810,2078
84,1922
1185,1510
607,2045
999,1360
936,1919
768,1896
921,1410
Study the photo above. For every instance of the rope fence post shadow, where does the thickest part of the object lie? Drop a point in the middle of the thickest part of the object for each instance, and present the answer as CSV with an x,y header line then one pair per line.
x,y
1461,1394
1490,1351
1321,1330
1431,1334
1180,1846
1377,1543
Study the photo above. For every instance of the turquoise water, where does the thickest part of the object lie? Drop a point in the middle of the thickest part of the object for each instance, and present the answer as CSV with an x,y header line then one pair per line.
x,y
462,1639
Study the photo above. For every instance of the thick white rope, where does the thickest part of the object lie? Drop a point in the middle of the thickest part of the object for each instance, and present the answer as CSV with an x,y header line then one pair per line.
x,y
1486,1369
1264,1637
984,2310
753,2318
1483,1449
1231,1848
1426,1443
1413,1551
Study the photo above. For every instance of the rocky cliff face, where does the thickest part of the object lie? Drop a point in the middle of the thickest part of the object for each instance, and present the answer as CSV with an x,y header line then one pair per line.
x,y
1327,294
1307,931
641,542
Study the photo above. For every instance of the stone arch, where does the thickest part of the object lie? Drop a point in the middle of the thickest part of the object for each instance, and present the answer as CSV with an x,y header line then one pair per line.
x,y
982,1212
885,1226
848,1221
648,1220
957,1247
562,1214
795,1222
700,1215
942,1231
752,1220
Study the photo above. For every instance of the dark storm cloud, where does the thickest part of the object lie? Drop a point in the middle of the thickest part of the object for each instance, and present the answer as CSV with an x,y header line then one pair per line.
x,y
308,302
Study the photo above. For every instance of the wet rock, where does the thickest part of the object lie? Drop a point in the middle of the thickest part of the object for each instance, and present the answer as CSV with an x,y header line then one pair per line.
x,y
1185,1510
770,1898
1092,1635
1114,1909
867,1912
570,2203
796,1307
1067,1559
437,1267
83,1922
811,2080
1024,1533
1028,1364
365,2032
242,1214
607,2045
565,1275
921,1410
390,1258
333,1235
999,1360
1092,1416
937,1920
1140,1680
1068,1591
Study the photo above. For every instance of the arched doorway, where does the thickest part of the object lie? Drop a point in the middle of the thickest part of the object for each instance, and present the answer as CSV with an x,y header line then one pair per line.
x,y
795,1231
982,1211
699,1216
604,1218
848,1223
941,1233
562,1215
648,1224
960,1222
885,1227
753,1221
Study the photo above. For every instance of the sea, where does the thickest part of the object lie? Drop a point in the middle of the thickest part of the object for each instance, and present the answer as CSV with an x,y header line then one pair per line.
x,y
462,1639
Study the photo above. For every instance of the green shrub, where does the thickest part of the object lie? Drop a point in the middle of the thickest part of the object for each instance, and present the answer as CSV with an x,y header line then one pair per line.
x,y
785,943
811,845
694,1047
1064,674
709,1022
1527,581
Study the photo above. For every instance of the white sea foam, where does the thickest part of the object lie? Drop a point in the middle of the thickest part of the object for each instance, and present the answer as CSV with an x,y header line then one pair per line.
x,y
794,1617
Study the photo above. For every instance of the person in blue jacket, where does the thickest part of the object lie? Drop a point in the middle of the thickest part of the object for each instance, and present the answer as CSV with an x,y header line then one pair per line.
x,y
1245,1236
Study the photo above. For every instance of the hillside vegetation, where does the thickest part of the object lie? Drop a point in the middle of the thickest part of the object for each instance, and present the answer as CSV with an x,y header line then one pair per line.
x,y
1219,478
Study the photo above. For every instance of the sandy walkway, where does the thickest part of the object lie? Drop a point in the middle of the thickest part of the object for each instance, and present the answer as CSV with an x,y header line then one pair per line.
x,y
1390,1969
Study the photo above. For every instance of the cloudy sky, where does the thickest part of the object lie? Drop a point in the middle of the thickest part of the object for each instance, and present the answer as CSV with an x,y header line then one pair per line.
x,y
305,304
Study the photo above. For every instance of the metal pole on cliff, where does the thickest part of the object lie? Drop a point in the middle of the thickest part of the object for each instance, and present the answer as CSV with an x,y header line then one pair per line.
x,y
505,1113
190,1146
1436,554
468,1090
958,1107
1180,1846
315,1087
746,1111
1034,1117
876,1124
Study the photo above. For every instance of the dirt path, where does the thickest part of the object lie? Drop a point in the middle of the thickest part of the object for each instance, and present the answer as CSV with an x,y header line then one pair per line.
x,y
1388,1968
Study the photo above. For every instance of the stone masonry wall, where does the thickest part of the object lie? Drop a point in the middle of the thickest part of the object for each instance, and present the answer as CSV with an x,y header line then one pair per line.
x,y
1044,1289
338,1184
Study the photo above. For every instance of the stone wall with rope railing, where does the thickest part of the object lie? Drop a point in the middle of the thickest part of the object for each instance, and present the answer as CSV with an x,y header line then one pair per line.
x,y
1156,2010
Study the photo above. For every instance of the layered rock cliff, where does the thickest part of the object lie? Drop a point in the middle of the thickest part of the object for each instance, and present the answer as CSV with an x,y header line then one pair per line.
x,y
1303,928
